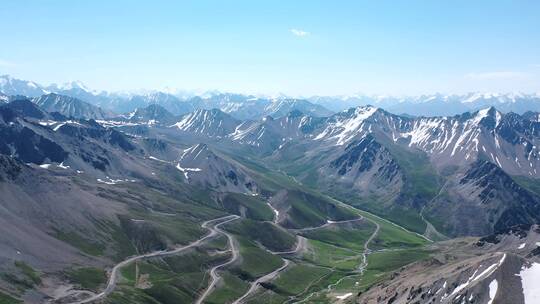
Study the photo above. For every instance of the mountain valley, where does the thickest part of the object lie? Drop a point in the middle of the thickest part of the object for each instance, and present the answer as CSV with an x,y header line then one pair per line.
x,y
238,199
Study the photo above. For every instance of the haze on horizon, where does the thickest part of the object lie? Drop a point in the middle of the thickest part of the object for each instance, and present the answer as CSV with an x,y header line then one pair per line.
x,y
300,48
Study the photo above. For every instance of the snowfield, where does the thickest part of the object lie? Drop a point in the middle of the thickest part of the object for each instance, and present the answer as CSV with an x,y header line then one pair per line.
x,y
530,280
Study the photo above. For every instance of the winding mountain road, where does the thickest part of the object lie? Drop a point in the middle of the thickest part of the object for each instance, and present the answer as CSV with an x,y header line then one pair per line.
x,y
114,273
213,272
367,251
361,267
255,284
328,223
300,243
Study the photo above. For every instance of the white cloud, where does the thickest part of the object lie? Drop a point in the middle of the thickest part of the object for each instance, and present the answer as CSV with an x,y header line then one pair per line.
x,y
496,75
299,33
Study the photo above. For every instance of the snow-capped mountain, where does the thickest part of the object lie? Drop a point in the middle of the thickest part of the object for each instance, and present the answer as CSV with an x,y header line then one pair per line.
x,y
35,136
508,140
177,102
70,107
475,271
485,190
211,123
152,114
171,103
280,107
200,165
533,116
4,98
435,104
13,86
69,86
251,107
269,133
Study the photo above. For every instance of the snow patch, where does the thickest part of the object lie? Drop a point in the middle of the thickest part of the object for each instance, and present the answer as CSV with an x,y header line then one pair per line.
x,y
62,166
488,271
530,276
47,122
343,297
110,181
157,159
346,129
493,286
187,170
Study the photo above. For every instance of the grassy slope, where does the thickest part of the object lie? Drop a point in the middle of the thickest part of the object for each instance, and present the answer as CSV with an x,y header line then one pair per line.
x,y
352,236
179,280
232,288
326,255
380,264
531,184
267,234
256,262
87,277
252,207
29,272
308,209
297,278
176,279
333,249
422,183
7,299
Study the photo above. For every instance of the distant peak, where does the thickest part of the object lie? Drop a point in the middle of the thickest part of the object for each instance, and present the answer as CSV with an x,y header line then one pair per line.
x,y
489,112
367,110
77,84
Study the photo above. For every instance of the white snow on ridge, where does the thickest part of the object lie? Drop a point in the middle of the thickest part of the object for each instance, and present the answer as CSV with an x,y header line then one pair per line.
x,y
115,123
196,148
464,285
47,122
493,287
110,181
481,115
187,170
346,129
58,127
530,276
276,212
343,297
488,271
475,277
62,166
157,159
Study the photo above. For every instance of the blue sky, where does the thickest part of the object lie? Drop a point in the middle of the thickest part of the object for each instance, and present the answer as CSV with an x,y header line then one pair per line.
x,y
294,47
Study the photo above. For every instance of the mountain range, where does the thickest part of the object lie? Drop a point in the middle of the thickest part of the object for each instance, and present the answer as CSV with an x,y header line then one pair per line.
x,y
253,107
270,201
435,104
